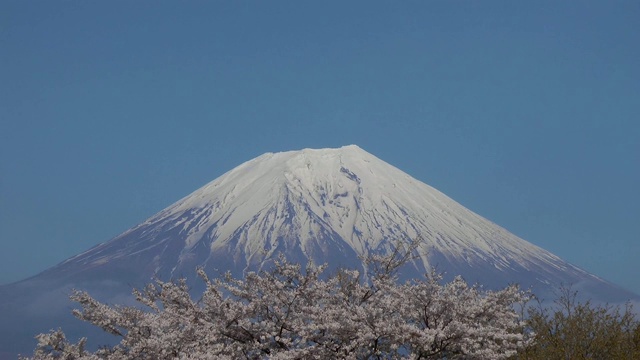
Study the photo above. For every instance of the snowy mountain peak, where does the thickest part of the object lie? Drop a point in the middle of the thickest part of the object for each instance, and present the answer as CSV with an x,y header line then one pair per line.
x,y
326,205
343,193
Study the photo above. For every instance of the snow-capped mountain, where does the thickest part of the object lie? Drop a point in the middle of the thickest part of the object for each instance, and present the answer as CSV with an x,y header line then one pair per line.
x,y
328,205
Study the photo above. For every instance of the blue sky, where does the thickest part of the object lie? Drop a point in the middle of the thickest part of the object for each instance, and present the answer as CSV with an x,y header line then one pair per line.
x,y
525,112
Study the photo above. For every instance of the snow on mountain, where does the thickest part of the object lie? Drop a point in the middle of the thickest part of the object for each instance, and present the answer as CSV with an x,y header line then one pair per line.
x,y
328,205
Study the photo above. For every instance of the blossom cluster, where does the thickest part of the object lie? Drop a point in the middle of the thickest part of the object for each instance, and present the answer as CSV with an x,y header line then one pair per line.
x,y
291,312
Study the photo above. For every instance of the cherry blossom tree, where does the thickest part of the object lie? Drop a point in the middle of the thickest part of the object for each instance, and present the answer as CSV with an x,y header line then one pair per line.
x,y
295,313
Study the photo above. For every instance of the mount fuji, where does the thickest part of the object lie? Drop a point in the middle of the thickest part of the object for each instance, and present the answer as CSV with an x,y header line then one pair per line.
x,y
330,206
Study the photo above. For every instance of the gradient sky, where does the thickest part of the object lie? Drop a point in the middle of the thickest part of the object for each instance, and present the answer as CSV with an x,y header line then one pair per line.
x,y
525,112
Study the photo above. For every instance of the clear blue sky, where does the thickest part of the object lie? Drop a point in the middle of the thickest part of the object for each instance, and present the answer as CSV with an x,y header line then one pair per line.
x,y
527,113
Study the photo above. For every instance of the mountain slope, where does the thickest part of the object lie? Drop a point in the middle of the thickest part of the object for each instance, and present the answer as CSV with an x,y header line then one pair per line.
x,y
329,205
318,205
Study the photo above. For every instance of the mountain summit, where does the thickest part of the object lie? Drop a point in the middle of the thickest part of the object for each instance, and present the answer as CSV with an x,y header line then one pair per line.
x,y
325,206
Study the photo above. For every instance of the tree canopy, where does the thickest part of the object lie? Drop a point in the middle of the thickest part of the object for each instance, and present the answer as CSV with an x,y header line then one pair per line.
x,y
295,313
581,330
